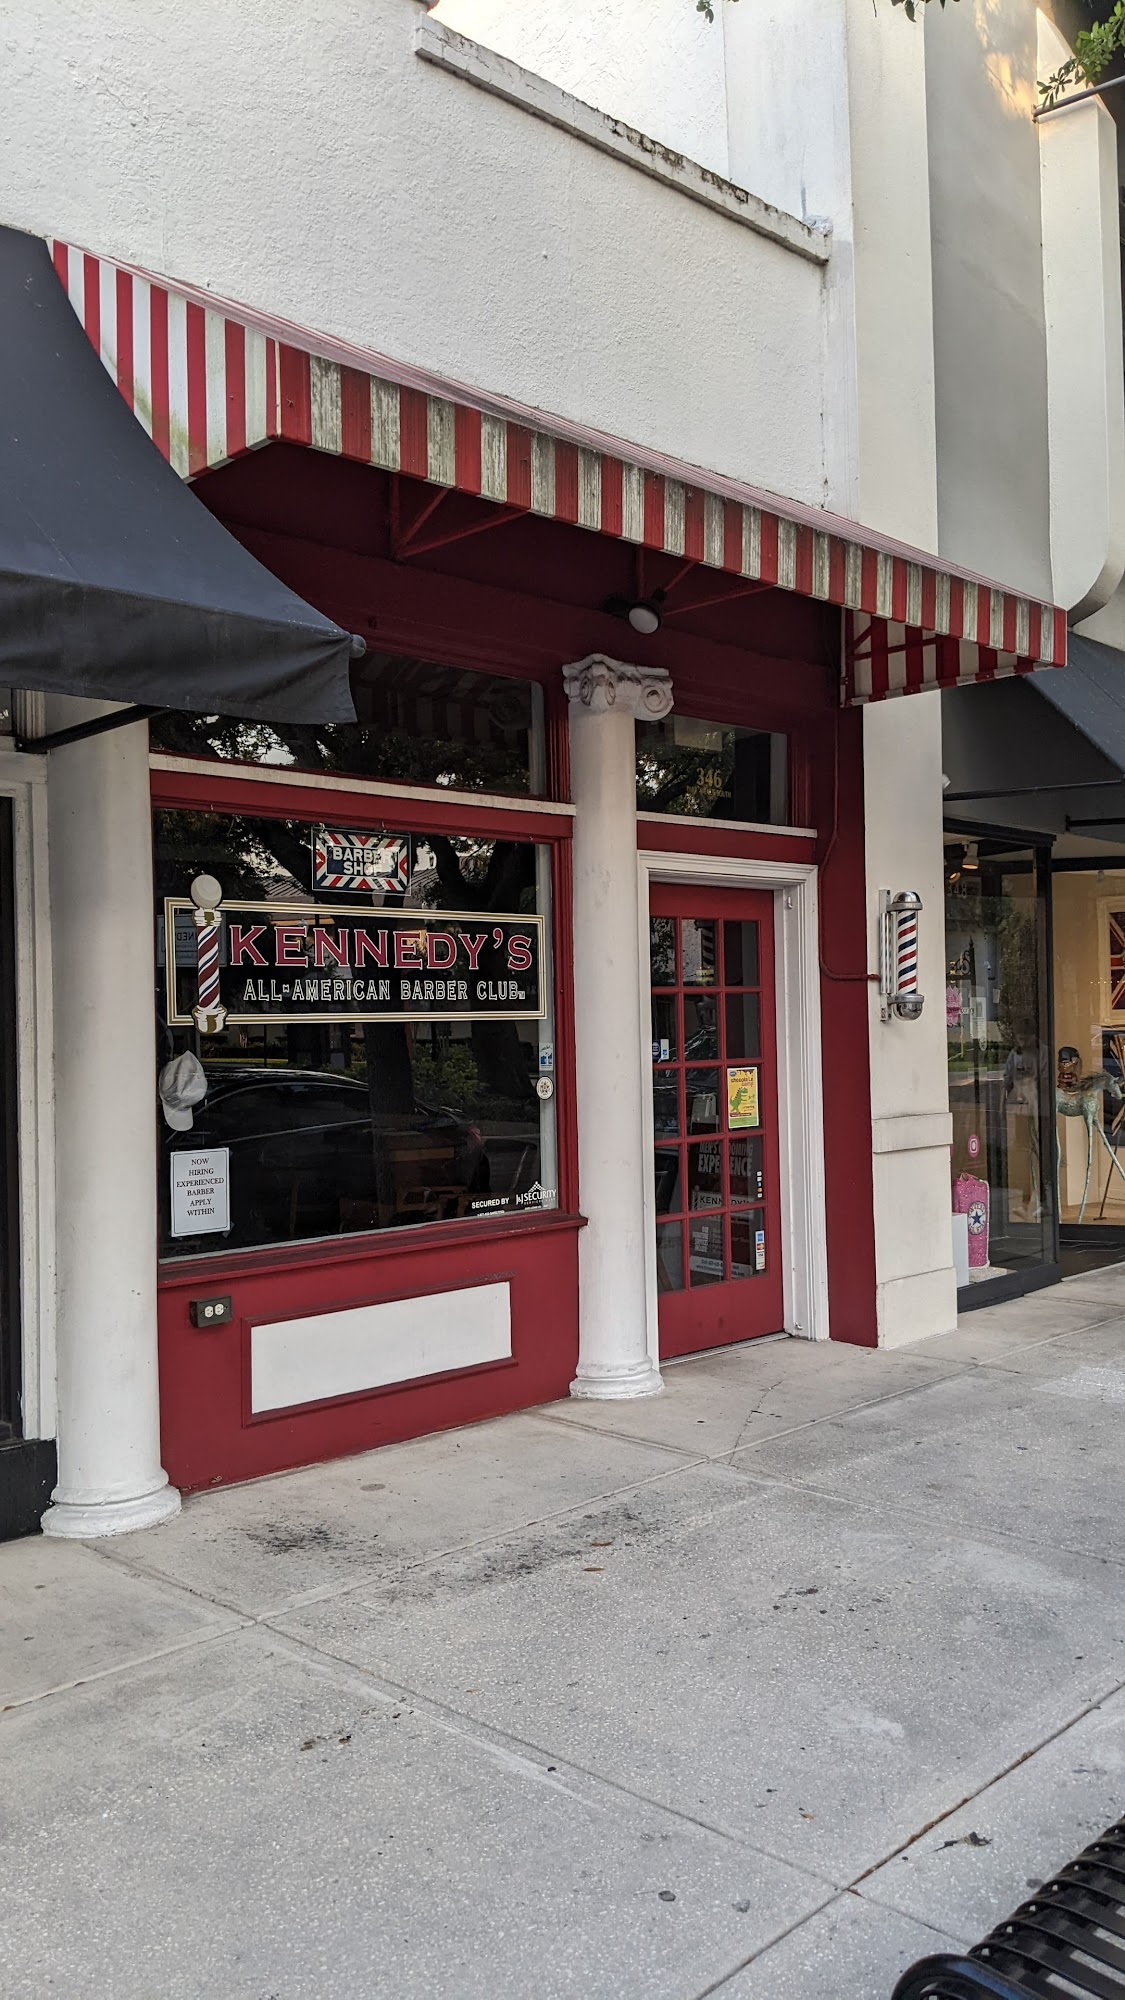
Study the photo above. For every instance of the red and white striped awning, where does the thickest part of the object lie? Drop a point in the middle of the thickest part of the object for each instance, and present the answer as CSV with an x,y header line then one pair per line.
x,y
210,380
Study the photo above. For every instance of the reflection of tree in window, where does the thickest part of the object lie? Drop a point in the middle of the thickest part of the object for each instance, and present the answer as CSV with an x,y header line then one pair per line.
x,y
706,770
419,722
480,1071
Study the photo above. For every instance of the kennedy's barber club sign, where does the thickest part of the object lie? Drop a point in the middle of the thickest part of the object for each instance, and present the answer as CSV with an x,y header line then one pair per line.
x,y
327,962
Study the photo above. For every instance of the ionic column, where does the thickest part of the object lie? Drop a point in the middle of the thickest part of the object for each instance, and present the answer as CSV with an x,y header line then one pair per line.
x,y
605,698
110,1475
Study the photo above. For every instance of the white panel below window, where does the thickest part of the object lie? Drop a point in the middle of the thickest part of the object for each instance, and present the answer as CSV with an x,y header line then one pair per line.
x,y
368,1347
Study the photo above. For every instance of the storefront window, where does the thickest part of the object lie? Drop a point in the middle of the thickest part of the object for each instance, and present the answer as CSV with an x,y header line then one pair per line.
x,y
355,1029
10,1370
419,722
712,770
1089,980
999,1060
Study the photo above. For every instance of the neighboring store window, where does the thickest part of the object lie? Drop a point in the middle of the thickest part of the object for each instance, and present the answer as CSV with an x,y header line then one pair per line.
x,y
1000,1068
419,722
355,1029
712,770
11,1397
1089,979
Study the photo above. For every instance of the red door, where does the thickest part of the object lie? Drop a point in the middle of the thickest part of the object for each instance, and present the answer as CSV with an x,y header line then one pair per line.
x,y
714,1088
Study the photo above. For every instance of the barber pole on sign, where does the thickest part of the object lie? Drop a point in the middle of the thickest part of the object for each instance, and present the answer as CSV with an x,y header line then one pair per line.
x,y
209,1014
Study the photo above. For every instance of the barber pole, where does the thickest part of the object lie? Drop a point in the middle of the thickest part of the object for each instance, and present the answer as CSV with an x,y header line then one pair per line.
x,y
898,954
906,946
207,895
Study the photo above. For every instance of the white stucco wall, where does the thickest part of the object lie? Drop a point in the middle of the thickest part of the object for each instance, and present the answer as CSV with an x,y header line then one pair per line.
x,y
915,1283
788,108
305,161
989,331
657,64
1082,296
886,72
829,121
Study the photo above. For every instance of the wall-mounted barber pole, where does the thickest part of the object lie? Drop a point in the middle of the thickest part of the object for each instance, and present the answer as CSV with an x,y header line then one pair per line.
x,y
898,953
207,895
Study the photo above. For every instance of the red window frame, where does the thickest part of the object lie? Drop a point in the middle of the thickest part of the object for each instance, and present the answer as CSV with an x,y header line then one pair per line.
x,y
224,788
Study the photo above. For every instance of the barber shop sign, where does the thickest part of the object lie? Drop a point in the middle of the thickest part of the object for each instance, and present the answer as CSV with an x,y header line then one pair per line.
x,y
324,962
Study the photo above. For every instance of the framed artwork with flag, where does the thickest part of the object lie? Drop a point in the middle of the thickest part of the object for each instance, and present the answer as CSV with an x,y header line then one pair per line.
x,y
1112,943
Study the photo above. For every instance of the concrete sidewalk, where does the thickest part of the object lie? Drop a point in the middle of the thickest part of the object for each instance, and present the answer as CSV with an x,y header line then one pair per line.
x,y
763,1689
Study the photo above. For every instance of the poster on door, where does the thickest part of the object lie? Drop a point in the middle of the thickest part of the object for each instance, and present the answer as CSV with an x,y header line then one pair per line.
x,y
742,1099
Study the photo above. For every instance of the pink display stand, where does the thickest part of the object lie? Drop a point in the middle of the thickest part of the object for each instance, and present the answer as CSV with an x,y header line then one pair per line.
x,y
970,1198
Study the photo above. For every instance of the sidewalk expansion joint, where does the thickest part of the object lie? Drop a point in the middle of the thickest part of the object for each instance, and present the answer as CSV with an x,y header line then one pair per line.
x,y
980,1791
130,1665
990,1535
401,1567
532,1756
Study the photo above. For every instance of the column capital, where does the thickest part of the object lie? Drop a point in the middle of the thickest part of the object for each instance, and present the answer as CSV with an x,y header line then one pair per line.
x,y
600,684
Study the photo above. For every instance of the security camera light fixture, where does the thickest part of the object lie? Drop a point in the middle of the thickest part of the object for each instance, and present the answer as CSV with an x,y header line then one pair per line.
x,y
644,614
647,613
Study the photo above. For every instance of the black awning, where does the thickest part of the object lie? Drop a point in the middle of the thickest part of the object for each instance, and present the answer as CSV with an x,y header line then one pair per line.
x,y
115,581
1090,692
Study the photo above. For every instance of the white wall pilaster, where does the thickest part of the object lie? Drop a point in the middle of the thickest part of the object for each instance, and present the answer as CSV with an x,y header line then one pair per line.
x,y
110,1475
916,1290
605,698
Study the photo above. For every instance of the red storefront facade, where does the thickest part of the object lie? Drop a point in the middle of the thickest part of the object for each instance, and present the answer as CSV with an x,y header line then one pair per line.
x,y
454,538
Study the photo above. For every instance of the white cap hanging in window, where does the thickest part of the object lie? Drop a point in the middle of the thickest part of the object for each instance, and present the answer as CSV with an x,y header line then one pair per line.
x,y
181,1086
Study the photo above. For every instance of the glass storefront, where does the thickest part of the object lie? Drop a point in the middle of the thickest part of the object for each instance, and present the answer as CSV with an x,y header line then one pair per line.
x,y
1001,1081
712,770
11,1385
420,722
354,1029
1089,994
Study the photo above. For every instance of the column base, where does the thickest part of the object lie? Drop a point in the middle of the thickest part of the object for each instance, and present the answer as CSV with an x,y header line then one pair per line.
x,y
613,1383
88,1520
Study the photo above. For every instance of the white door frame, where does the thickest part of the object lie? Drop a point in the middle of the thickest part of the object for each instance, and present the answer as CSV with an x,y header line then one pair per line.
x,y
23,780
799,1072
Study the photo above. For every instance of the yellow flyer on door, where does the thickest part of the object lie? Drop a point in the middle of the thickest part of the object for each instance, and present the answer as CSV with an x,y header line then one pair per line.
x,y
742,1099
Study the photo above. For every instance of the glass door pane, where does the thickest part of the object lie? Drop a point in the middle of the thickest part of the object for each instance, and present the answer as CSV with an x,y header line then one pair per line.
x,y
10,1377
999,1060
1089,988
706,1024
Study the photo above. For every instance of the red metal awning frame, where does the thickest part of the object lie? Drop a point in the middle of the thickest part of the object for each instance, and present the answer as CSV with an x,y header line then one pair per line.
x,y
209,380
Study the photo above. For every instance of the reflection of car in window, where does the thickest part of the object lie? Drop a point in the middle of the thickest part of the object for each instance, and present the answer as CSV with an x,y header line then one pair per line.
x,y
310,1156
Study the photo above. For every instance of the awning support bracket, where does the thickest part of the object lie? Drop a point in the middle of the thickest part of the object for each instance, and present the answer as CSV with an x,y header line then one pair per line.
x,y
56,739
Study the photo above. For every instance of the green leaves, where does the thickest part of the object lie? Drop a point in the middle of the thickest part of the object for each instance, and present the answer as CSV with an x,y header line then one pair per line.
x,y
1094,50
912,6
707,7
